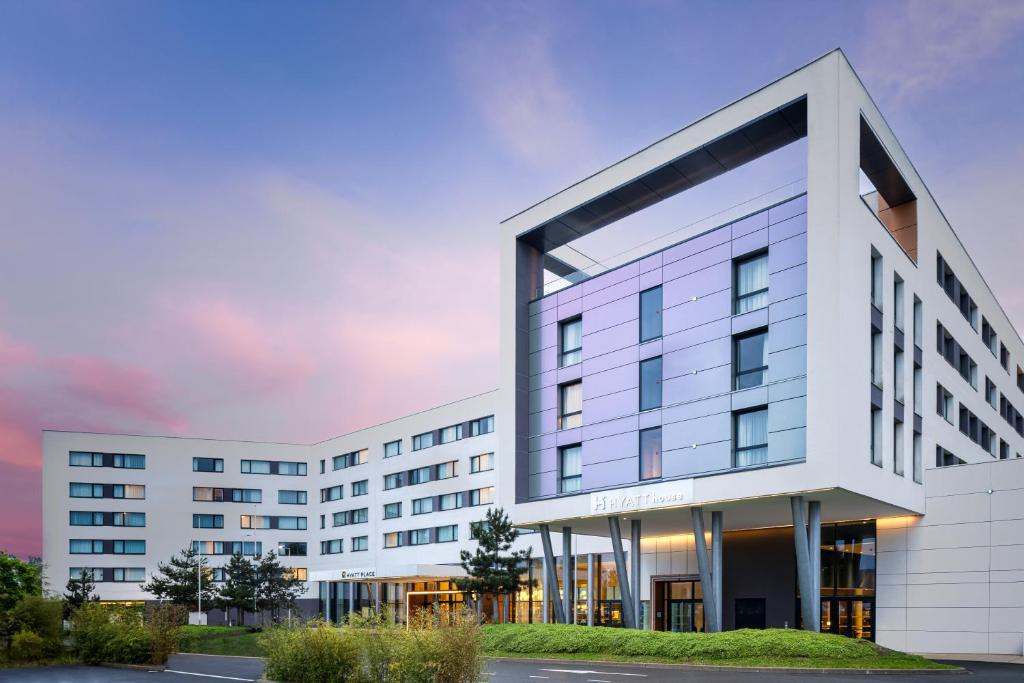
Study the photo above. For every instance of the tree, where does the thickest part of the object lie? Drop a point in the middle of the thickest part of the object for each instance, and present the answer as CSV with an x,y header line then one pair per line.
x,y
491,568
277,588
178,580
18,579
79,591
239,586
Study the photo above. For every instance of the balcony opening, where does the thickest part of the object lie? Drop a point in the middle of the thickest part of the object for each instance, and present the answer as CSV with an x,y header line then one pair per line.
x,y
886,193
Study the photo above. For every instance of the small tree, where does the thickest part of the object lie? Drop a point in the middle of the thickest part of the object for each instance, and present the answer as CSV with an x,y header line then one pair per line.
x,y
277,588
79,591
18,579
178,580
239,586
491,568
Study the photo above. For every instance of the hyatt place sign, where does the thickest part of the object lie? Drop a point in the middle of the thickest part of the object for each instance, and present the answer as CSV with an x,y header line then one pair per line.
x,y
648,497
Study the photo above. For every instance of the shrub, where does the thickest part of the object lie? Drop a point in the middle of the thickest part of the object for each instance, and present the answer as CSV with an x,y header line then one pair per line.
x,y
39,615
27,646
163,625
104,633
314,653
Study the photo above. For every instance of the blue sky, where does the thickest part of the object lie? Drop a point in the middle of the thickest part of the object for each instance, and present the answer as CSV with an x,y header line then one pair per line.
x,y
279,220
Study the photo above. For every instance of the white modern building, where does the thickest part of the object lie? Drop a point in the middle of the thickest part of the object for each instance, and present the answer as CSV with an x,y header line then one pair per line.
x,y
810,391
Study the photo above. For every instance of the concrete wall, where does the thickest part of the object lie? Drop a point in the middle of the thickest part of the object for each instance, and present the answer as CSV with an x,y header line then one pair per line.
x,y
953,580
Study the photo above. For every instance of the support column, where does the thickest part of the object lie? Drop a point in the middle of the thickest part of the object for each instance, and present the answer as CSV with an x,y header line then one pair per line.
x,y
707,584
591,589
716,565
568,576
803,564
551,574
545,604
620,569
376,597
351,597
634,575
814,555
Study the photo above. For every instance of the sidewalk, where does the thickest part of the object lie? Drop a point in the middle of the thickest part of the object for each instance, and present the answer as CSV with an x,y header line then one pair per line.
x,y
972,657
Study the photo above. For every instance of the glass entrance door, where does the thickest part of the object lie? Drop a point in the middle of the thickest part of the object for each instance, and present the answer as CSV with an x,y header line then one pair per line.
x,y
853,617
683,606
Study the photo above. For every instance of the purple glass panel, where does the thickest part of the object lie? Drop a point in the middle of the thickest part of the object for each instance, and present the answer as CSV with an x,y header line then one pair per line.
x,y
686,461
545,317
612,339
607,474
569,373
750,243
568,294
612,293
650,279
543,337
699,408
538,443
691,387
650,349
697,262
783,390
704,310
611,406
611,314
787,364
570,309
697,244
543,379
701,357
789,209
787,283
545,460
788,445
787,308
702,430
748,398
787,334
747,225
540,305
714,278
611,448
787,228
568,437
612,381
696,335
787,253
544,399
542,361
545,484
609,360
750,321
630,270
543,422
602,429
788,414
649,263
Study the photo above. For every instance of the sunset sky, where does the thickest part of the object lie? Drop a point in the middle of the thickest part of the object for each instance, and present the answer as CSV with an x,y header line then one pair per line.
x,y
278,221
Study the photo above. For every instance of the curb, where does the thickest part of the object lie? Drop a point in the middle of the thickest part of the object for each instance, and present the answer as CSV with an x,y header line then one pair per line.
x,y
133,667
734,669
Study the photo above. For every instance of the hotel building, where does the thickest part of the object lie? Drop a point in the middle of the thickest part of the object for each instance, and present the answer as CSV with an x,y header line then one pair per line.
x,y
810,392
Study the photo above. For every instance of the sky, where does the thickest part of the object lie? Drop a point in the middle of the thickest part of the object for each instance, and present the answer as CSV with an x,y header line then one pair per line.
x,y
278,221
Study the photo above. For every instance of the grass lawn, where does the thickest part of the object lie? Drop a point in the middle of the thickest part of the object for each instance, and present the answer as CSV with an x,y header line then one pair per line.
x,y
748,648
220,640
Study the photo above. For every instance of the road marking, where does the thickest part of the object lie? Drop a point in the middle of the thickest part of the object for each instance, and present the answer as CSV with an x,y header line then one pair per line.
x,y
588,671
192,673
545,677
596,680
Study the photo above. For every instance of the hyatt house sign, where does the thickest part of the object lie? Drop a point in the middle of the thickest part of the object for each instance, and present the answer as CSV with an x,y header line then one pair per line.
x,y
648,497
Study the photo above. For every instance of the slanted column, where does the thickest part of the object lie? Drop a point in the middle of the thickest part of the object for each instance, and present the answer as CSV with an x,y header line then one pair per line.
x,y
716,564
814,555
545,604
803,565
634,576
620,569
591,589
551,574
707,583
351,597
568,576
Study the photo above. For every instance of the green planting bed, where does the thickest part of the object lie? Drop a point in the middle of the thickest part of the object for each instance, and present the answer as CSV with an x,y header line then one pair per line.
x,y
220,640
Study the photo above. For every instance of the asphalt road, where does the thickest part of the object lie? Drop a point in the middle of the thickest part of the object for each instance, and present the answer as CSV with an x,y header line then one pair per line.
x,y
199,668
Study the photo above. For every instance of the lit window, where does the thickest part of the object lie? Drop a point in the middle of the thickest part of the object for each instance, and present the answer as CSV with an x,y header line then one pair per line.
x,y
393,539
481,463
570,405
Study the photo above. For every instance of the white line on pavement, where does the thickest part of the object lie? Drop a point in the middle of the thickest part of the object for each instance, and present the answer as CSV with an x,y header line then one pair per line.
x,y
587,671
192,673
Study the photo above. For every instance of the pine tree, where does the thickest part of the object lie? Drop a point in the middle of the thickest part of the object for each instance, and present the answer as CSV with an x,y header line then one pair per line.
x,y
239,586
277,589
178,580
491,568
79,591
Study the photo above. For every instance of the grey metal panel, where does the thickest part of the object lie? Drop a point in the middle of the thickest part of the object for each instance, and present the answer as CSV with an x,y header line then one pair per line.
x,y
544,484
611,293
787,228
701,357
545,460
787,364
537,443
697,262
750,224
698,244
917,423
918,356
787,308
612,359
543,399
615,447
788,445
898,411
687,411
787,283
876,396
713,457
542,422
786,334
788,414
748,398
544,317
793,207
543,379
611,339
876,319
897,339
619,426
542,361
544,337
612,313
613,473
704,310
748,244
696,335
787,253
544,304
780,391
749,321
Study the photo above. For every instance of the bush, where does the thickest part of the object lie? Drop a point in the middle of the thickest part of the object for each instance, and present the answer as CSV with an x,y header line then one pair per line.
x,y
105,633
39,615
557,639
315,653
27,646
163,624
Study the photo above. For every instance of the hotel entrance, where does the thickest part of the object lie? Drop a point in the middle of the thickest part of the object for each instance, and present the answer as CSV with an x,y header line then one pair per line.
x,y
680,606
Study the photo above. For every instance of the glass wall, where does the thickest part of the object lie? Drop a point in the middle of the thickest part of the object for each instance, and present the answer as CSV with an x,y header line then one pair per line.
x,y
848,579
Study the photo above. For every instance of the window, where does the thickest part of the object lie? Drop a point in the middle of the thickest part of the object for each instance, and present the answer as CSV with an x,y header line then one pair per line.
x,y
897,438
95,573
650,453
360,488
129,519
449,501
944,403
130,462
80,459
289,522
751,283
751,358
990,393
751,437
392,481
420,475
897,296
297,573
452,433
650,383
918,322
944,458
989,336
570,405
254,522
876,279
332,547
323,521
1004,357
360,516
207,464
392,510
447,534
481,463
483,425
393,539
484,496
83,518
650,314
421,441
287,497
876,358
255,467
80,490
392,448
207,521
421,506
77,546
246,495
137,547
918,464
897,372
445,470
570,342
293,549
360,543
131,491
323,465
570,469
1004,450
295,469
876,437
419,537
119,460
917,389
340,462
129,574
332,493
